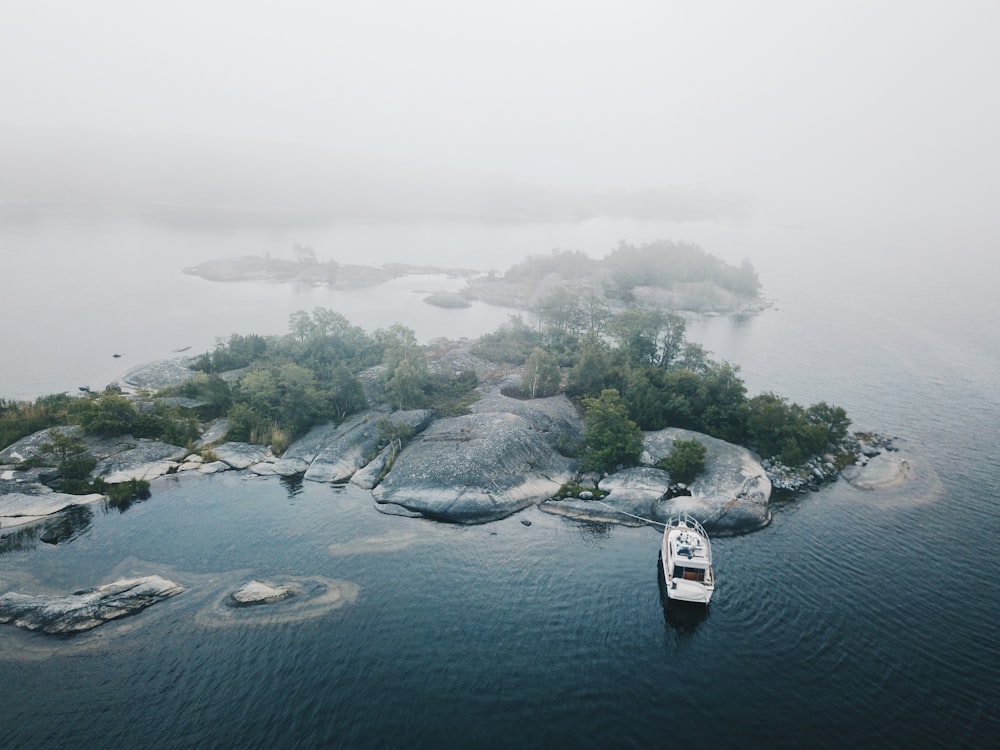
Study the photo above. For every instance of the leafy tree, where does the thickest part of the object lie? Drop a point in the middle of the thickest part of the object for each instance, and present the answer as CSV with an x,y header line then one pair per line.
x,y
591,373
562,310
611,438
692,357
685,462
107,414
278,401
722,398
789,432
647,336
70,453
833,418
511,342
637,332
347,395
238,352
398,343
541,377
405,385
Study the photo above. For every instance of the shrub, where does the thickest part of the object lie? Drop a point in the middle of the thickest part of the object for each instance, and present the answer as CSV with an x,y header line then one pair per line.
x,y
685,462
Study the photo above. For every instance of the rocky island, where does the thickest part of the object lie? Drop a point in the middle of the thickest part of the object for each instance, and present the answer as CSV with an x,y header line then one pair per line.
x,y
699,282
600,412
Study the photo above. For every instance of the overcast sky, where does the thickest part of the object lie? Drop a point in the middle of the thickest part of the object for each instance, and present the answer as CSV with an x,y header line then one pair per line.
x,y
783,108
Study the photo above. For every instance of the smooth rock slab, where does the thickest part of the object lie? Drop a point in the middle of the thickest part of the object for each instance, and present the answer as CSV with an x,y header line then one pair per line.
x,y
730,496
258,592
473,469
241,455
83,610
145,459
350,447
40,502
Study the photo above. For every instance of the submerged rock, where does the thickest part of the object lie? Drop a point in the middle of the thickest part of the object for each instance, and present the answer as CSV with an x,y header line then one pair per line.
x,y
83,610
880,472
258,592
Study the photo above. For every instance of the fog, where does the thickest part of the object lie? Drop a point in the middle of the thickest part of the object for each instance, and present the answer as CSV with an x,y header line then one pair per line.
x,y
861,118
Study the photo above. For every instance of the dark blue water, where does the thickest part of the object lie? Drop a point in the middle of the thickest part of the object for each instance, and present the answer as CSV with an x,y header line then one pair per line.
x,y
856,619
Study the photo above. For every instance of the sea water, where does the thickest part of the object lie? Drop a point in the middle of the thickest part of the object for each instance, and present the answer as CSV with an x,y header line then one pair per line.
x,y
857,618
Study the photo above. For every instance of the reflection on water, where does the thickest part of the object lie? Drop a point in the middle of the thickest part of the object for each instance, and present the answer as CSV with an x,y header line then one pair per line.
x,y
293,485
67,526
22,538
682,617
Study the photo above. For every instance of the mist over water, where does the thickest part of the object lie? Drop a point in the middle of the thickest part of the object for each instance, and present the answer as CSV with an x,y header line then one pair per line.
x,y
848,151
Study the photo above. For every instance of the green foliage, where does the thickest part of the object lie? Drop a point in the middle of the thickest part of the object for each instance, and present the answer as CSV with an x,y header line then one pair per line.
x,y
347,395
69,451
405,385
277,403
685,462
453,397
569,264
541,375
787,431
611,439
210,388
19,419
590,374
648,336
575,490
325,340
663,264
123,494
512,342
111,414
238,352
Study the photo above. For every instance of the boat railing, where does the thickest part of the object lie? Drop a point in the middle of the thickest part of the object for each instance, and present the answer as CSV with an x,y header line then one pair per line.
x,y
683,520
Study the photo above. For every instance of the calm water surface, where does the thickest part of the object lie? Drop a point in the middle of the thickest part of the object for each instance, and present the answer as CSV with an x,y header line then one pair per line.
x,y
856,619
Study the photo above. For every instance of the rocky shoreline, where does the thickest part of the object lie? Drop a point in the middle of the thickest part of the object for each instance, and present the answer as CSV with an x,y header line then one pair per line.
x,y
502,458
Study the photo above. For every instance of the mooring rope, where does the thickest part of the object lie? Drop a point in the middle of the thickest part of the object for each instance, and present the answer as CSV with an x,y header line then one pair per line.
x,y
631,515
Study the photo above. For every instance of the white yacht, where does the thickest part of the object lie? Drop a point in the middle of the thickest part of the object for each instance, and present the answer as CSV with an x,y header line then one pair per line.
x,y
686,558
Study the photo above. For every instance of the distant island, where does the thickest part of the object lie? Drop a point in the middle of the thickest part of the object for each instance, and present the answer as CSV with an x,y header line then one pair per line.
x,y
671,276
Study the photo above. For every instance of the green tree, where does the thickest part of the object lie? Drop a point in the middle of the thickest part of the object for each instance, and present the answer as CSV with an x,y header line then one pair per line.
x,y
107,414
406,384
541,376
610,438
69,451
685,462
512,342
590,375
722,398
